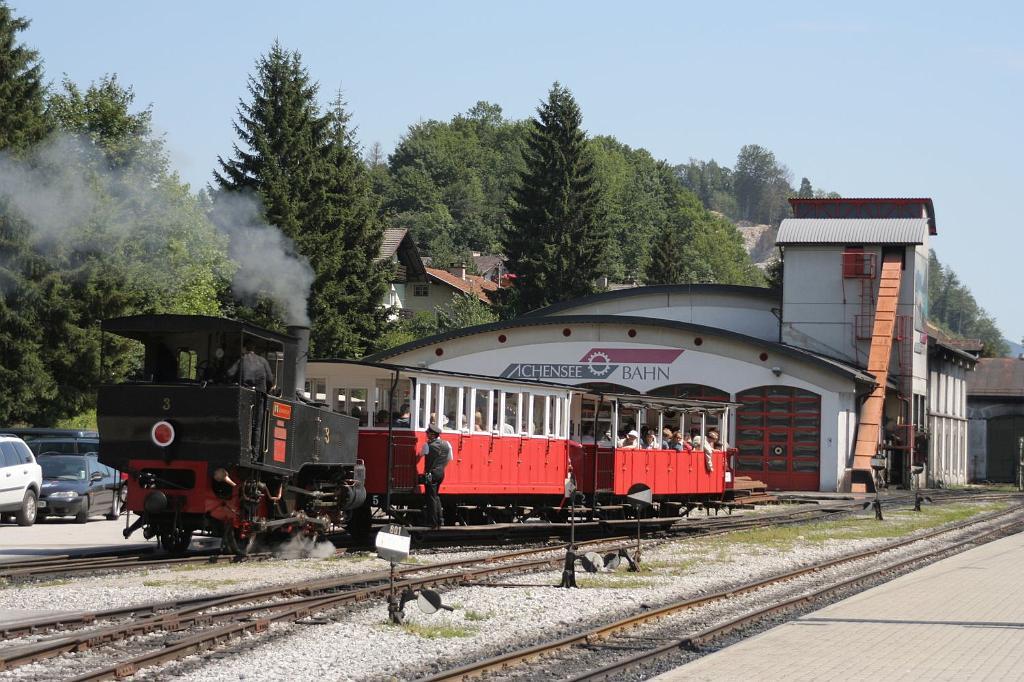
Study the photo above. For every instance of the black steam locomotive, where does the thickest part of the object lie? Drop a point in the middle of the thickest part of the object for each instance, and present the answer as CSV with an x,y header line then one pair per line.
x,y
208,455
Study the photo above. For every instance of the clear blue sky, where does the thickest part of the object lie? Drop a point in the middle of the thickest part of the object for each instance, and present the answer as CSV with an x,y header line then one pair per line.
x,y
867,98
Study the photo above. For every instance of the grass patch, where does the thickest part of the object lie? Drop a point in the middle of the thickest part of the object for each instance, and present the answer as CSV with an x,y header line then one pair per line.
x,y
668,565
204,584
351,557
53,583
437,631
611,581
862,527
475,616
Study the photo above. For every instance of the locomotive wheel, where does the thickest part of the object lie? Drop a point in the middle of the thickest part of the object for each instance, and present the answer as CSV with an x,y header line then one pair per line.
x,y
176,541
230,544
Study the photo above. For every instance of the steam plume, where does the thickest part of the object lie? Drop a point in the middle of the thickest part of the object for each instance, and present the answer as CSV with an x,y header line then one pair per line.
x,y
268,263
72,200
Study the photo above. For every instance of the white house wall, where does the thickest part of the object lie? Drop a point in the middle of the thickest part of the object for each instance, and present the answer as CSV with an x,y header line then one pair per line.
x,y
948,462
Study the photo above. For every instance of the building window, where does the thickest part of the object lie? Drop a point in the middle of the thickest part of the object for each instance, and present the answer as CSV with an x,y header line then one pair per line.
x,y
421,290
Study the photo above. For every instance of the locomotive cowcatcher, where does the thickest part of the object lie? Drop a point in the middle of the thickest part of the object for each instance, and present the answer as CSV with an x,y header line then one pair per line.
x,y
208,455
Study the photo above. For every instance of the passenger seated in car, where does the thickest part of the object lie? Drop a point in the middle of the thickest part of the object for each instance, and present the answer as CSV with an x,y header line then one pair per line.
x,y
650,441
677,443
666,437
632,440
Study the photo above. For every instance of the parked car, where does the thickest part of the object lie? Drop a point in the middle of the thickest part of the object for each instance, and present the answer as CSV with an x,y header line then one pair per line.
x,y
21,481
79,486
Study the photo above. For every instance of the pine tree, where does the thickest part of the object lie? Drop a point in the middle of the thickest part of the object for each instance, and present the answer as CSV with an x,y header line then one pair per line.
x,y
22,92
304,166
350,282
557,242
284,135
23,297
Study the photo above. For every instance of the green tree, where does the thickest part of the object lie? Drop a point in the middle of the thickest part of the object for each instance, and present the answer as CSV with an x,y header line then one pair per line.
x,y
464,310
22,93
350,283
24,275
806,191
558,240
761,185
451,181
673,258
954,309
303,166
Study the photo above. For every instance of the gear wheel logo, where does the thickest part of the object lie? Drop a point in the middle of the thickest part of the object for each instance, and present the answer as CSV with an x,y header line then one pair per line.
x,y
599,363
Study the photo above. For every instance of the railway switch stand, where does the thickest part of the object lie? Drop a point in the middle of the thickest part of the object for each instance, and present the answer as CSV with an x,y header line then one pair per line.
x,y
569,568
640,495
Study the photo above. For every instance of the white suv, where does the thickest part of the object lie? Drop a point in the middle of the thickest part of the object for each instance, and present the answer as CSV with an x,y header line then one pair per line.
x,y
20,481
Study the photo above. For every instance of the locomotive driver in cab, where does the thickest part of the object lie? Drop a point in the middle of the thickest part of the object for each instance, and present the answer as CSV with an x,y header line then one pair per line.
x,y
253,370
438,453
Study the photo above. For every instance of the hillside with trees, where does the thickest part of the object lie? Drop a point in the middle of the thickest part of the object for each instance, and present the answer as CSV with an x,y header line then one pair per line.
x,y
95,223
952,308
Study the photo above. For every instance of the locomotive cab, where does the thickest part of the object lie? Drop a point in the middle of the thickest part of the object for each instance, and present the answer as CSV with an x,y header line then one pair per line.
x,y
208,453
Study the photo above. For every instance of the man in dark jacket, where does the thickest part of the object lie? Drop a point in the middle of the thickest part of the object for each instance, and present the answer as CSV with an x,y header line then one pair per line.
x,y
253,370
437,453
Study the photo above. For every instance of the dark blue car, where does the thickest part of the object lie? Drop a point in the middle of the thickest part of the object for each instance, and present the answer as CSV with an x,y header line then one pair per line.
x,y
79,486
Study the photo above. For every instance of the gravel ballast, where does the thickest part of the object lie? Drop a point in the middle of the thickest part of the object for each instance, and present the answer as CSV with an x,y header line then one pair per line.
x,y
357,643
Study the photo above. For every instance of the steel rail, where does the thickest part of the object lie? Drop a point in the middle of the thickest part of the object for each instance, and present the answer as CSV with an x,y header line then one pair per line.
x,y
511,659
193,613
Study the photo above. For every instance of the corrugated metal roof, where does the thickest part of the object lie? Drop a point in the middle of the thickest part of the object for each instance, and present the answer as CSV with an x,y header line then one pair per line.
x,y
852,231
997,377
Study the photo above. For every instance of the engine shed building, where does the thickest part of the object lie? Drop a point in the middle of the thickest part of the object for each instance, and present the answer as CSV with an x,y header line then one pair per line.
x,y
829,372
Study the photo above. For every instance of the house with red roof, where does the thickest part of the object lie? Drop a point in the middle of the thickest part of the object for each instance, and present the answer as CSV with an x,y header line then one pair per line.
x,y
416,287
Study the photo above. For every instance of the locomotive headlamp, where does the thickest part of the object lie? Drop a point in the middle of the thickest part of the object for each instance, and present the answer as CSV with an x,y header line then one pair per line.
x,y
162,433
220,475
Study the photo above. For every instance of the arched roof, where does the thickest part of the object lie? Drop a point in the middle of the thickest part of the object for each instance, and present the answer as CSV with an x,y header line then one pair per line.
x,y
668,289
799,354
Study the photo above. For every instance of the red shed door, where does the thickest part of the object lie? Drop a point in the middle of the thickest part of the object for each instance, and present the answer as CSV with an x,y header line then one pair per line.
x,y
778,435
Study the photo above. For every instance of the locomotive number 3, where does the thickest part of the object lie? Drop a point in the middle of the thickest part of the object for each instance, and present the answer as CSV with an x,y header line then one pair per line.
x,y
327,434
166,404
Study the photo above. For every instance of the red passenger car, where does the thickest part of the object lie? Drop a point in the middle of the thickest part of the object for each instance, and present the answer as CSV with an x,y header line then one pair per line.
x,y
514,443
606,467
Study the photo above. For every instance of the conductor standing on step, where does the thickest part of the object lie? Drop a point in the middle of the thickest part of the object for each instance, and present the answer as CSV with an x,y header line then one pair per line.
x,y
437,453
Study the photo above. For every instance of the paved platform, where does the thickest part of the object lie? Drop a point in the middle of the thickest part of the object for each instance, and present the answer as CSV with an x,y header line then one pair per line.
x,y
64,536
959,619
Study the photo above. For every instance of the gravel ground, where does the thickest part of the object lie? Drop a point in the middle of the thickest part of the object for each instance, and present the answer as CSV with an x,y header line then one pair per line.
x,y
136,586
357,644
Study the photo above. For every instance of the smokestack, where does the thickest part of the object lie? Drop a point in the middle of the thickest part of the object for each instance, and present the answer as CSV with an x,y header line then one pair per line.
x,y
301,333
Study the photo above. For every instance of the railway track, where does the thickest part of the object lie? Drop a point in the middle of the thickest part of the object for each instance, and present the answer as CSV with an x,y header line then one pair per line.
x,y
66,565
590,649
249,611
224,617
43,568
